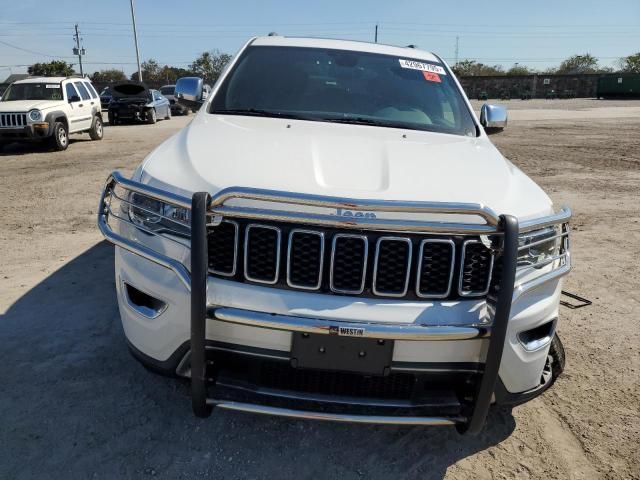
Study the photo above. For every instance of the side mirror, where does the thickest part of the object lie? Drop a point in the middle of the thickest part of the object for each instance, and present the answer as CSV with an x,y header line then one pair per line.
x,y
189,92
74,98
493,118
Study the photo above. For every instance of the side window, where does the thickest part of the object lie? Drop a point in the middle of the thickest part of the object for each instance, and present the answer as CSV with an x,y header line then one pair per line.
x,y
71,92
92,90
83,91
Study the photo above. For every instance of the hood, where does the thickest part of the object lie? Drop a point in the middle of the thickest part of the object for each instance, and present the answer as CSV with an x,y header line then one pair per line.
x,y
26,105
353,161
129,89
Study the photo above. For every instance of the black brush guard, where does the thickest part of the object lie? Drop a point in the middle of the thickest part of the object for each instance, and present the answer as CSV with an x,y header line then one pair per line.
x,y
472,422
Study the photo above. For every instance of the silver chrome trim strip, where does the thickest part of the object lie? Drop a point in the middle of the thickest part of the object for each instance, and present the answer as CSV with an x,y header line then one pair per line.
x,y
332,417
351,204
309,232
391,331
235,251
246,256
365,240
472,293
451,268
562,216
408,266
150,191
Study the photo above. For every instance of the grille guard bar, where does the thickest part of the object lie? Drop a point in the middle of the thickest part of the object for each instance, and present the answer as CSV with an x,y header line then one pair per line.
x,y
203,207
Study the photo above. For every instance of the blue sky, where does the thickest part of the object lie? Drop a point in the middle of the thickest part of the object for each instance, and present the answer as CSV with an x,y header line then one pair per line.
x,y
538,34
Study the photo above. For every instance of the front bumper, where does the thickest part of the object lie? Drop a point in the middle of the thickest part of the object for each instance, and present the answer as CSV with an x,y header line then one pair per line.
x,y
227,316
127,112
26,133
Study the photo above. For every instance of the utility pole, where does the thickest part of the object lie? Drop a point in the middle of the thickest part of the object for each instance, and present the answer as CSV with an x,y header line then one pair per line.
x,y
457,48
78,51
135,37
376,35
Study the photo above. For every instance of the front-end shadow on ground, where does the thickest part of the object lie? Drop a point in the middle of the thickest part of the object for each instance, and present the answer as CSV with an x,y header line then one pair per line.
x,y
75,404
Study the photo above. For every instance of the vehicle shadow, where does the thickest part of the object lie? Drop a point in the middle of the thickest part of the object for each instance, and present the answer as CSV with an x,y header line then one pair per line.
x,y
27,148
75,404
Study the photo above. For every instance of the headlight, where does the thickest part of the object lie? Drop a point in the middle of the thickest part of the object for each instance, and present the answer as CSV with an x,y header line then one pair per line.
x,y
541,247
35,115
159,217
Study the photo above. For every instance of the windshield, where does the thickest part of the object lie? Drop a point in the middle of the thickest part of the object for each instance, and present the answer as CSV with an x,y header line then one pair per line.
x,y
33,91
344,86
105,91
167,90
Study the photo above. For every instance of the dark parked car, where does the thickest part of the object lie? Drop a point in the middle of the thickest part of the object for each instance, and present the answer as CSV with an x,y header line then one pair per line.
x,y
133,101
105,97
176,108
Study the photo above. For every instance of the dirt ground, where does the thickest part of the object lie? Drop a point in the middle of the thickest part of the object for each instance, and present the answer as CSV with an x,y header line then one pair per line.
x,y
74,404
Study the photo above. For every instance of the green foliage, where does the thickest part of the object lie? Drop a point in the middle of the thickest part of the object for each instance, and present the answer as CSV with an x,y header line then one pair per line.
x,y
468,68
109,75
586,63
209,65
520,70
630,64
55,68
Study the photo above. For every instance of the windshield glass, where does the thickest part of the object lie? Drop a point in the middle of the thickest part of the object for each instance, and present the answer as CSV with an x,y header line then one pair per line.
x,y
344,86
167,90
33,91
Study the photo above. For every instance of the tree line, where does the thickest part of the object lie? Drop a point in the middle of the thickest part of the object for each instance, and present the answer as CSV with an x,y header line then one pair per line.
x,y
576,64
209,65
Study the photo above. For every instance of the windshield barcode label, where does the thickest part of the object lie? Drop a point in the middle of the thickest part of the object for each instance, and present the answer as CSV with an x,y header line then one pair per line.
x,y
423,67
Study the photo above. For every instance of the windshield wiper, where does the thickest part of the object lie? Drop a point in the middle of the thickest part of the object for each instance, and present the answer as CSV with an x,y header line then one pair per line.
x,y
257,112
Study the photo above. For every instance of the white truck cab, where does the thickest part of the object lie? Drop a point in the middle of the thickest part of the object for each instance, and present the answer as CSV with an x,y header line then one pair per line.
x,y
49,109
335,237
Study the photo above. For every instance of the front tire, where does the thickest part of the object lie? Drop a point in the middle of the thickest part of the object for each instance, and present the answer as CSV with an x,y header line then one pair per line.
x,y
96,132
60,138
556,352
168,116
152,117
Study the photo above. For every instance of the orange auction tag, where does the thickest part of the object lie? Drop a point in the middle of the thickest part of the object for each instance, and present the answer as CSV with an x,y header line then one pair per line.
x,y
431,77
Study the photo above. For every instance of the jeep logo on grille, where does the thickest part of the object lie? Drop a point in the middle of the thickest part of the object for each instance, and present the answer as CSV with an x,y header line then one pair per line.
x,y
348,213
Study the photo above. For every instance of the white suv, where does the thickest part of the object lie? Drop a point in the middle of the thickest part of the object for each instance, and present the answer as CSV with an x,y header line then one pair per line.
x,y
50,108
335,237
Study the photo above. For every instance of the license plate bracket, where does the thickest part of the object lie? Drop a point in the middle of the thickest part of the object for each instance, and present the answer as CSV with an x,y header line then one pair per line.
x,y
369,356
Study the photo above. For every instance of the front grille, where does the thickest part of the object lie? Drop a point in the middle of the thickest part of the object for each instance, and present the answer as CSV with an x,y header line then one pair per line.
x,y
262,253
12,120
476,269
348,263
281,376
361,263
305,259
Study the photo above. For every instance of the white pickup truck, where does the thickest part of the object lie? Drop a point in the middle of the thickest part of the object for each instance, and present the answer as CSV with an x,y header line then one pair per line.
x,y
335,237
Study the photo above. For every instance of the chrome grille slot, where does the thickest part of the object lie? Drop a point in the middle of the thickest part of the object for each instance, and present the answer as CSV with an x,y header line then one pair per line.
x,y
262,253
435,268
348,263
305,259
476,266
223,248
12,120
392,266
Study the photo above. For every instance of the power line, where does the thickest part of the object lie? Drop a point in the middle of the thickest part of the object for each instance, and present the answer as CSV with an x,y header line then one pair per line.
x,y
32,51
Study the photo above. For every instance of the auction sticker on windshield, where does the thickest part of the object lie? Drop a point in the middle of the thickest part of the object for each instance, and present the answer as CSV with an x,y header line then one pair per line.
x,y
424,67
